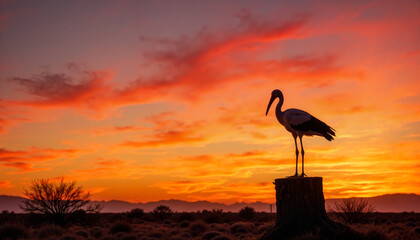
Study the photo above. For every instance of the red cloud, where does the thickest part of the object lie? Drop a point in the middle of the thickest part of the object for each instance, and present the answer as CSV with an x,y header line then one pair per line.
x,y
24,160
5,184
189,68
193,65
114,162
246,154
166,138
115,129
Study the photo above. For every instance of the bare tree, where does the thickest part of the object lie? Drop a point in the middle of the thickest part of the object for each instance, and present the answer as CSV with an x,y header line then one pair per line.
x,y
352,210
57,198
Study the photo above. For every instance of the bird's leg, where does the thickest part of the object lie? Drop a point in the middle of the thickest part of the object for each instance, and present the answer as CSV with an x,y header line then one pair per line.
x,y
303,156
297,157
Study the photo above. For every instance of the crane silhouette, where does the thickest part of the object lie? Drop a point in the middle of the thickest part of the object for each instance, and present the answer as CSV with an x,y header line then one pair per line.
x,y
299,123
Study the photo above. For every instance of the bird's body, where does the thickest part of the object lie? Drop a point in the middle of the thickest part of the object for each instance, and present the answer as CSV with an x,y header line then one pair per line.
x,y
299,123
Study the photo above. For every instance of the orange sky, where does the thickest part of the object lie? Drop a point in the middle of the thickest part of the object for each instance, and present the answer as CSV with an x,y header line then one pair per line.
x,y
150,100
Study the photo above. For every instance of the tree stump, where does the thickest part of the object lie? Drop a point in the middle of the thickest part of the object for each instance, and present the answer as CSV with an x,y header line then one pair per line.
x,y
300,209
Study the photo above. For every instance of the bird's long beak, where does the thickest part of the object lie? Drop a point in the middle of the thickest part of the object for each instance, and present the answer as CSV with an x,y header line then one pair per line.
x,y
269,104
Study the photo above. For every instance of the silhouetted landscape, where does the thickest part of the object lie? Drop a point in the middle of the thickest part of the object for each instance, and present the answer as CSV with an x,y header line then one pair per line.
x,y
175,219
214,224
385,203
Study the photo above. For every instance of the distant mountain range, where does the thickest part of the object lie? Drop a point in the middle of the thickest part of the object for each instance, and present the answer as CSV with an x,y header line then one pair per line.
x,y
384,203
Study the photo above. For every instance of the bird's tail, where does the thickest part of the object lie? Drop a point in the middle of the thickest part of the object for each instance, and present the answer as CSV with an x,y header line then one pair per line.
x,y
329,133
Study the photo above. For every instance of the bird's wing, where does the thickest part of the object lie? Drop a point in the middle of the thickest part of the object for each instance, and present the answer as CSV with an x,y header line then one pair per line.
x,y
312,124
296,117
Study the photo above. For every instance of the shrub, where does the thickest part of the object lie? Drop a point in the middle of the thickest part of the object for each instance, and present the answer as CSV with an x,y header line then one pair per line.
x,y
186,235
156,235
415,230
221,238
57,199
108,238
82,233
162,211
136,213
197,228
240,228
129,237
353,210
48,231
247,213
184,216
184,224
68,237
210,235
13,231
410,224
7,217
96,232
120,227
373,234
215,216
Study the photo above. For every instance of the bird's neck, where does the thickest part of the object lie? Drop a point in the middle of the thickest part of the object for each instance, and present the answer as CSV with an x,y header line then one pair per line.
x,y
279,105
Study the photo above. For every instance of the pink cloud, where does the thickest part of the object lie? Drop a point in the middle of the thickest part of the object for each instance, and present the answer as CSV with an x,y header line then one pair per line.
x,y
54,90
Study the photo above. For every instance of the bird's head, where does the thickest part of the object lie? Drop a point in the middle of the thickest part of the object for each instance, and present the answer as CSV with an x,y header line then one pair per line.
x,y
275,94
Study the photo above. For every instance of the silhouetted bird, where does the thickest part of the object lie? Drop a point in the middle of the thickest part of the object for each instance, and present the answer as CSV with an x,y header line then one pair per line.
x,y
299,123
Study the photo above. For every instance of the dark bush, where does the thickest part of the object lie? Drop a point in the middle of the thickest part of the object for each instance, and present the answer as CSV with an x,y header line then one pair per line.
x,y
13,231
373,234
162,211
353,210
120,227
247,213
210,235
68,237
136,213
221,238
82,233
215,216
186,235
197,228
129,237
240,228
108,238
184,224
96,232
415,231
7,217
184,216
49,231
410,224
156,235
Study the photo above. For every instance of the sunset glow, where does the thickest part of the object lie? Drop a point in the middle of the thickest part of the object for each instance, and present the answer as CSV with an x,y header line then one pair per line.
x,y
148,100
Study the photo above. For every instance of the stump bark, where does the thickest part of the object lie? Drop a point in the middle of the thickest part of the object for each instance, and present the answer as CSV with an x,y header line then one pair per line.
x,y
300,209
